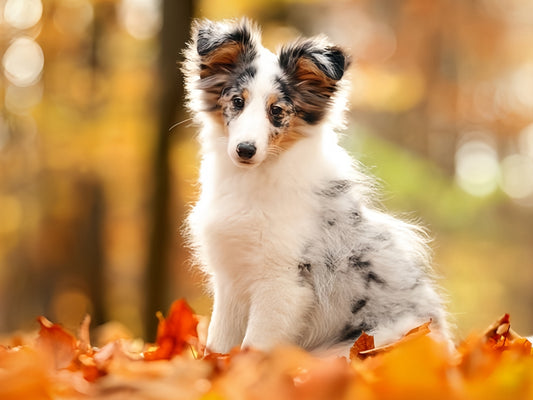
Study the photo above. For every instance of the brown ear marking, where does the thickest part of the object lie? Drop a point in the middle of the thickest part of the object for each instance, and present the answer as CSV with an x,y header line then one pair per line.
x,y
317,56
312,69
224,46
221,60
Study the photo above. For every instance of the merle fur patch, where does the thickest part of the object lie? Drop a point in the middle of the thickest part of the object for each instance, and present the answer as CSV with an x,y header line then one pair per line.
x,y
330,261
355,261
355,216
358,305
337,188
212,36
304,267
372,277
351,332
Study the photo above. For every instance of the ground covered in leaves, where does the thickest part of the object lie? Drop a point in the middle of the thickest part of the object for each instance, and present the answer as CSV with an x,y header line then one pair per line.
x,y
496,364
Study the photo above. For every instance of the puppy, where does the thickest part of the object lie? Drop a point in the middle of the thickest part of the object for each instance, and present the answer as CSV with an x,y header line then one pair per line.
x,y
284,226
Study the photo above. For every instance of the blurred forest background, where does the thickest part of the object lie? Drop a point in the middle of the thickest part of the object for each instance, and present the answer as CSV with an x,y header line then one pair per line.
x,y
98,160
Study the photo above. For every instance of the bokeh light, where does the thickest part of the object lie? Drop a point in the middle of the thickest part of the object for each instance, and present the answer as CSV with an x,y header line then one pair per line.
x,y
526,141
517,176
521,86
477,167
141,18
23,62
70,305
23,14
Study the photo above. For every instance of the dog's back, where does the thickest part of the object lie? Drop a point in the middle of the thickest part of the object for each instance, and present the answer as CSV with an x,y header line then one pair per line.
x,y
284,225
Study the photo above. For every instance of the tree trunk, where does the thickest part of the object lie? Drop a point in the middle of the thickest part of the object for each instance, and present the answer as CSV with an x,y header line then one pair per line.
x,y
177,15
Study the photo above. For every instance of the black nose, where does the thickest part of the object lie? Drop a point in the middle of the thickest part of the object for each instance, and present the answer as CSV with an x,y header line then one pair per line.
x,y
246,150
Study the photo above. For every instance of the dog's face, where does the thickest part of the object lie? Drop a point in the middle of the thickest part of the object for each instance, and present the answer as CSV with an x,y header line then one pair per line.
x,y
262,100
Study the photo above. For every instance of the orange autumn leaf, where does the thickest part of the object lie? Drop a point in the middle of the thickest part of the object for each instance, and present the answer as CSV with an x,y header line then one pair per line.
x,y
67,352
419,331
58,344
499,335
24,374
174,333
363,343
494,365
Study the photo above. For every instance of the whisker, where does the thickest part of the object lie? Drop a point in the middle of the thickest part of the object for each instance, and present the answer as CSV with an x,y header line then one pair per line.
x,y
179,123
274,150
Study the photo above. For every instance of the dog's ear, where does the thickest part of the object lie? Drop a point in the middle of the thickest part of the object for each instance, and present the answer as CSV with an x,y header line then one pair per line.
x,y
216,51
312,68
224,47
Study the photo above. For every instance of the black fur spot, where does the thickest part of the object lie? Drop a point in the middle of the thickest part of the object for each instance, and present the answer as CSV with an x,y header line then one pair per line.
x,y
283,89
355,216
354,261
304,267
382,237
305,278
330,261
311,117
337,188
246,75
373,277
358,305
276,122
331,222
337,63
351,332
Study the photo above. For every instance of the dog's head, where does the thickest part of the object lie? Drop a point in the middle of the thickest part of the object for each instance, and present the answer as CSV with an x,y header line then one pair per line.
x,y
263,102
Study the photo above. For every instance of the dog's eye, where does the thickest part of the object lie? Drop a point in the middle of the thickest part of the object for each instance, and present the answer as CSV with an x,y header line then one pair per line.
x,y
276,111
238,103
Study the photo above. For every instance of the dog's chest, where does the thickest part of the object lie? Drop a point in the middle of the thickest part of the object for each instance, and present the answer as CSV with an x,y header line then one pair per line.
x,y
249,229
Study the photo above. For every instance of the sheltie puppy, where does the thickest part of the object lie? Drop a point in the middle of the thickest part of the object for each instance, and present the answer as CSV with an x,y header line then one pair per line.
x,y
284,226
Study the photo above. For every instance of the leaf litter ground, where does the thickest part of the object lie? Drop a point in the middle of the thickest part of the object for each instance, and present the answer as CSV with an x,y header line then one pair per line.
x,y
496,364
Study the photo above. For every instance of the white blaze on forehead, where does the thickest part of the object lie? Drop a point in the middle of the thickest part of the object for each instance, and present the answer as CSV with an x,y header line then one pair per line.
x,y
267,69
253,124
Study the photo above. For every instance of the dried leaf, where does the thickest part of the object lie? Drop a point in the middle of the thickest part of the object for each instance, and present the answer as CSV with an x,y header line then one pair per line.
x,y
175,333
499,335
24,375
365,342
495,365
60,345
421,330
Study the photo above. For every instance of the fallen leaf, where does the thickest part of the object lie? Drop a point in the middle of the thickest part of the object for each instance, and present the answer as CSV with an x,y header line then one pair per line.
x,y
421,330
175,333
58,344
23,374
494,365
364,343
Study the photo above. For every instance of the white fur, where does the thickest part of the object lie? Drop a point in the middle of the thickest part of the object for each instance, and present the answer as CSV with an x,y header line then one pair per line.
x,y
253,223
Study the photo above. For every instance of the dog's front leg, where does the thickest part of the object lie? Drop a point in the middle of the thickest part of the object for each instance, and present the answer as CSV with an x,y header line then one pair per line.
x,y
277,313
228,320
